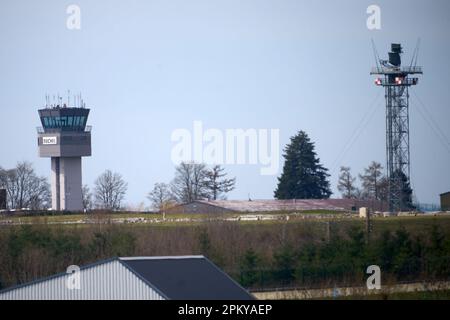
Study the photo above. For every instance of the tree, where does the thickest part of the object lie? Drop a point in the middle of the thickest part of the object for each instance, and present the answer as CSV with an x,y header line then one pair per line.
x,y
189,183
346,183
204,242
249,268
24,188
110,190
217,186
87,197
284,263
160,196
39,195
303,176
371,180
405,190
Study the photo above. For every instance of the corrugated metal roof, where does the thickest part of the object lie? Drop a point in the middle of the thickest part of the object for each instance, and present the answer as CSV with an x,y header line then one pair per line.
x,y
107,280
136,278
291,205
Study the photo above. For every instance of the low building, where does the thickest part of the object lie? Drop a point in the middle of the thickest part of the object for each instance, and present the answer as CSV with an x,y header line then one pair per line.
x,y
445,201
135,278
294,205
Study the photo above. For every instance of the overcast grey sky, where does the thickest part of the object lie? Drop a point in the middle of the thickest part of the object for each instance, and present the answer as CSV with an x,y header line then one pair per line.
x,y
149,67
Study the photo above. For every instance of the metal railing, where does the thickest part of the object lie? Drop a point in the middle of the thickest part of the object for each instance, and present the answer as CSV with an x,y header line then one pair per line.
x,y
396,70
53,130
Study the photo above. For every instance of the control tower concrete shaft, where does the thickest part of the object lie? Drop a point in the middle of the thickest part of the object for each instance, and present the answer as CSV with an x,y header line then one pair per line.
x,y
65,138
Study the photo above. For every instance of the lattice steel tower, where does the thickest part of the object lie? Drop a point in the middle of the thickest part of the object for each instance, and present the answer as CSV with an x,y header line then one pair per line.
x,y
396,81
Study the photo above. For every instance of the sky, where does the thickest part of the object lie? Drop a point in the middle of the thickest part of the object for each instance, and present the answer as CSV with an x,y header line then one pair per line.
x,y
147,68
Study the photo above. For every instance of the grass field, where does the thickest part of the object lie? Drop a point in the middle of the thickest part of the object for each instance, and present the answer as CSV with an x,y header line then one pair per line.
x,y
417,295
72,218
415,224
195,219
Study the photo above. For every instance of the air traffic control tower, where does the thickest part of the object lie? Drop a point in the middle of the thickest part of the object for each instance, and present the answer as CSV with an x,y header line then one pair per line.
x,y
65,138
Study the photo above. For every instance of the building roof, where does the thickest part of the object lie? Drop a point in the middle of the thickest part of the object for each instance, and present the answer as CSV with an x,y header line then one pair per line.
x,y
169,277
290,205
188,277
445,193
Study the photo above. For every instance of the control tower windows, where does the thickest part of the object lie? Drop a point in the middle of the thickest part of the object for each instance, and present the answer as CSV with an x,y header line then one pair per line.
x,y
65,122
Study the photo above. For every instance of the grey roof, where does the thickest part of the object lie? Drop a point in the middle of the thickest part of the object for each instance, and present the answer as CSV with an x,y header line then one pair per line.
x,y
172,277
291,205
187,277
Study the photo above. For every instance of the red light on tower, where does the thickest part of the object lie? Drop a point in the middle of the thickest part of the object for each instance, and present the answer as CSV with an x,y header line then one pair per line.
x,y
378,81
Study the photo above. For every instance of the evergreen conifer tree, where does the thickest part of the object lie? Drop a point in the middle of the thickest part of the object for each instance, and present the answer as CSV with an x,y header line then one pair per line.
x,y
303,176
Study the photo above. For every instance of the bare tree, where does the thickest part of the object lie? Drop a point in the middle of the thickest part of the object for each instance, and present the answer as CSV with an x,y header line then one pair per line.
x,y
161,196
346,183
110,190
217,186
87,197
371,180
40,195
189,183
24,188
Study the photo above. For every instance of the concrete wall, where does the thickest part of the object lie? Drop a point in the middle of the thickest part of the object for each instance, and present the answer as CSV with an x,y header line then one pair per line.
x,y
66,182
55,183
70,184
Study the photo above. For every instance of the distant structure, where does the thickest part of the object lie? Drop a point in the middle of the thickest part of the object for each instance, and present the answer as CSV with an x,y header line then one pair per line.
x,y
2,199
135,278
65,138
445,201
396,80
265,206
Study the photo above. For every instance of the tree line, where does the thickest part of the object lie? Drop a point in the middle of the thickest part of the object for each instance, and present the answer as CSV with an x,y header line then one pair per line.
x,y
401,255
258,256
303,177
26,190
374,185
192,181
